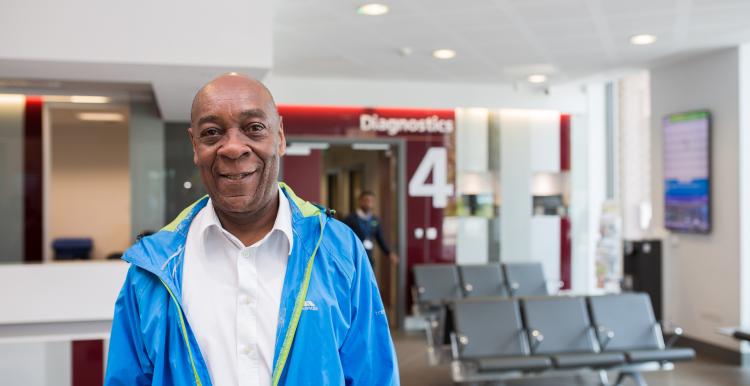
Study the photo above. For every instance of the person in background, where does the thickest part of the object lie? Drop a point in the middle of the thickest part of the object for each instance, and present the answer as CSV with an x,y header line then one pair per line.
x,y
367,227
251,285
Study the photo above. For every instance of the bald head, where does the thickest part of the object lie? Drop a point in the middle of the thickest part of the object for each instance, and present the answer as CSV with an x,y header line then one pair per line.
x,y
234,85
238,140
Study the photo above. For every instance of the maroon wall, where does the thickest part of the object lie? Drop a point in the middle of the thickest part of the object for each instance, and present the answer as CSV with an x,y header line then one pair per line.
x,y
303,174
88,363
33,242
565,244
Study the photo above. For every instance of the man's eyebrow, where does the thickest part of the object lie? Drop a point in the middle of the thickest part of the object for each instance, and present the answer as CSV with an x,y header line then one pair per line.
x,y
253,113
208,118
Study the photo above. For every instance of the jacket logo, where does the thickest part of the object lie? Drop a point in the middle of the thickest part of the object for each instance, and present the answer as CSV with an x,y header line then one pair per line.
x,y
310,306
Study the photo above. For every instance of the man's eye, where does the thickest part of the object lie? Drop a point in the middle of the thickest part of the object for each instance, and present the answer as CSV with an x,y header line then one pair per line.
x,y
210,132
255,127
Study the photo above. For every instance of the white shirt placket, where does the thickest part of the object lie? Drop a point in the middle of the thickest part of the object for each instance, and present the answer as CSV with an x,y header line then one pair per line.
x,y
247,317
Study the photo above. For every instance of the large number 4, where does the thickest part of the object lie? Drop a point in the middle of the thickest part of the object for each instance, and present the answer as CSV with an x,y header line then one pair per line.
x,y
435,162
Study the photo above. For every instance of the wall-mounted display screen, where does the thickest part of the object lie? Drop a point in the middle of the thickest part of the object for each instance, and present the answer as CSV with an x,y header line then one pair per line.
x,y
687,166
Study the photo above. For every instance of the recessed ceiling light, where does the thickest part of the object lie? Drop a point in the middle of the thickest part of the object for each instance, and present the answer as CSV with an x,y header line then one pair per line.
x,y
537,78
642,39
444,54
101,117
373,9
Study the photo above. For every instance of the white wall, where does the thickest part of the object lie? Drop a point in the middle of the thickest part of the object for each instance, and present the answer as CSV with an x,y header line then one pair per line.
x,y
702,273
526,137
60,292
472,152
52,293
36,364
744,212
587,184
634,128
515,177
169,44
90,185
394,93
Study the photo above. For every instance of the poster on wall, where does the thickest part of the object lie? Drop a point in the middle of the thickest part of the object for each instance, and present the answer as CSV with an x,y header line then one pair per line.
x,y
687,165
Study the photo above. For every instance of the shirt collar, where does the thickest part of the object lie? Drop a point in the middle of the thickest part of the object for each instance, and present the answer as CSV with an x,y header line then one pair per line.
x,y
364,216
283,222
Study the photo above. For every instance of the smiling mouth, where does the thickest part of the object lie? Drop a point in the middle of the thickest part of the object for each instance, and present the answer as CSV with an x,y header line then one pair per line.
x,y
235,177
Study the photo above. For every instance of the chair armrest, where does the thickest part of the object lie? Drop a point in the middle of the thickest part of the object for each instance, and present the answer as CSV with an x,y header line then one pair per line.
x,y
458,342
676,334
605,336
536,339
513,287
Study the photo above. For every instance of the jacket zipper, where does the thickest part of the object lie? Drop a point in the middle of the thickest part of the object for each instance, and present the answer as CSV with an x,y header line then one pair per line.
x,y
184,333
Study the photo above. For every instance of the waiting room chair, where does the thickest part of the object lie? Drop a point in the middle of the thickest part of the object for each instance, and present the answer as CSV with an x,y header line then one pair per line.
x,y
525,279
482,280
560,328
490,342
435,286
625,323
436,283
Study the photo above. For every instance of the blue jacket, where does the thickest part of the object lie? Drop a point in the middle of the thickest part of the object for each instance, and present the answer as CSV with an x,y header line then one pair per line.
x,y
341,334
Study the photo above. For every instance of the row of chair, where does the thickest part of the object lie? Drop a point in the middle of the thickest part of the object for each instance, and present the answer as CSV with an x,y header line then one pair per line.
x,y
440,283
497,339
437,285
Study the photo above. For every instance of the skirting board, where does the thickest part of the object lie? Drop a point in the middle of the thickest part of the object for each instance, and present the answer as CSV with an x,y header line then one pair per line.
x,y
714,352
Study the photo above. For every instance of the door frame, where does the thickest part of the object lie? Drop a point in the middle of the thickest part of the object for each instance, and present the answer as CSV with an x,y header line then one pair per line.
x,y
399,145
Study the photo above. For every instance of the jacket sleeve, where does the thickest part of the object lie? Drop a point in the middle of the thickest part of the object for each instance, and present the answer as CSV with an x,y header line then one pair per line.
x,y
127,361
381,241
367,353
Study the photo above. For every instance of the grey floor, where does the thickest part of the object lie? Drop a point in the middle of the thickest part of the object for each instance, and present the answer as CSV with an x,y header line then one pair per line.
x,y
415,371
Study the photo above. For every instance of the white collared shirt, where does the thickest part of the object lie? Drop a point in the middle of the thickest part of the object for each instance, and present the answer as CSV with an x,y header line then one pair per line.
x,y
231,295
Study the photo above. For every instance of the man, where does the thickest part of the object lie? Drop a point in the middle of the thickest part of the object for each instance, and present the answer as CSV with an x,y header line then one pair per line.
x,y
367,227
250,285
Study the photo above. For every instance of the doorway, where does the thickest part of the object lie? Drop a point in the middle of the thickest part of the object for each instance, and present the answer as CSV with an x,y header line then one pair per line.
x,y
335,173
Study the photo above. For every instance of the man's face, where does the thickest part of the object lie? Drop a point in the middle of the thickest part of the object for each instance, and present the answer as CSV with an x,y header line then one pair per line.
x,y
238,140
366,203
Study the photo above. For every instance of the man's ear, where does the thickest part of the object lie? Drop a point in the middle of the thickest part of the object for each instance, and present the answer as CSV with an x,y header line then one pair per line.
x,y
192,141
282,138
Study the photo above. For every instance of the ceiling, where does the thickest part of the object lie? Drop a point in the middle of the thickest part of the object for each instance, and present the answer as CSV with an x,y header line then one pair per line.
x,y
499,41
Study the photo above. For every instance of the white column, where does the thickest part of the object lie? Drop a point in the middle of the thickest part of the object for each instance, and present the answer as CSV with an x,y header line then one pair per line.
x,y
472,152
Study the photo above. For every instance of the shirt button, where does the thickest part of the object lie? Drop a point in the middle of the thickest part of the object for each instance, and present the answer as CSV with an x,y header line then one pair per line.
x,y
246,350
244,300
246,253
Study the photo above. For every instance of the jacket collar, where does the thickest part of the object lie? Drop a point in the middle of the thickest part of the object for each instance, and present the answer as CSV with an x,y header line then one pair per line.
x,y
162,253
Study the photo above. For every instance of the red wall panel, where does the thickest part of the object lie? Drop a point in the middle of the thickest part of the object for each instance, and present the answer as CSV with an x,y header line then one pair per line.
x,y
33,180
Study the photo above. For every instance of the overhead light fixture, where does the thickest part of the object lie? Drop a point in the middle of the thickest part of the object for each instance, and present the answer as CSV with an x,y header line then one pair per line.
x,y
77,98
12,98
305,148
373,9
101,117
297,150
371,146
537,78
444,54
642,39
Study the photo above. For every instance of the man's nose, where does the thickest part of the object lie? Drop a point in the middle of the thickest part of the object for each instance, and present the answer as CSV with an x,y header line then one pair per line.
x,y
235,146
